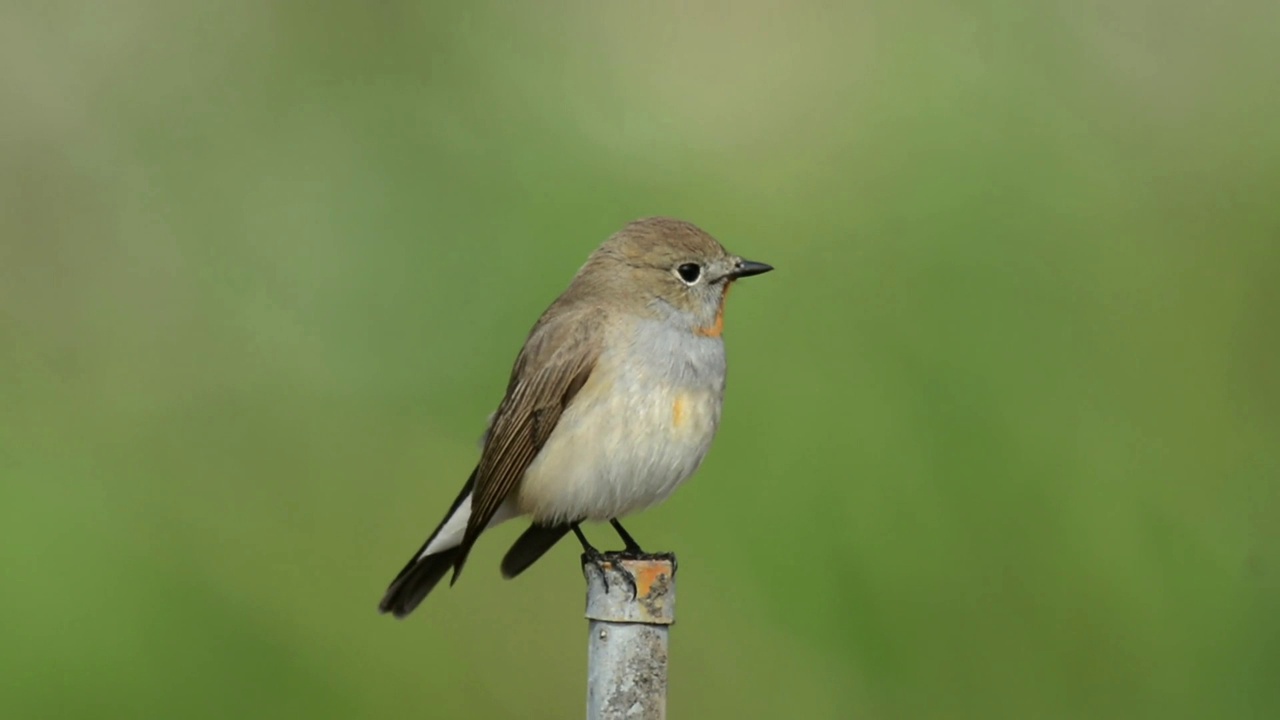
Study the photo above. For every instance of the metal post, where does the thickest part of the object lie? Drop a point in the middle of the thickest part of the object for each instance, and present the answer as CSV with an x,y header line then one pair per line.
x,y
627,646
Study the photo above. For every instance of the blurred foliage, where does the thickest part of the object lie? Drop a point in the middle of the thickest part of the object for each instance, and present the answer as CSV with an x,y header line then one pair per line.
x,y
1001,433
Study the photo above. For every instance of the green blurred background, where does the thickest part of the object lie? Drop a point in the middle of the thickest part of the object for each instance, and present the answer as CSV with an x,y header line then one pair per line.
x,y
1001,437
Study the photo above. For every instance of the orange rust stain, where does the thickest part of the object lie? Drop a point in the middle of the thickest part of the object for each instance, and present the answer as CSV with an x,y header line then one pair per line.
x,y
677,411
647,575
716,329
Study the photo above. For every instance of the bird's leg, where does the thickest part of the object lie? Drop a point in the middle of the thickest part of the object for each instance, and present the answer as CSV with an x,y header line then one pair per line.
x,y
591,555
589,551
603,562
633,551
633,548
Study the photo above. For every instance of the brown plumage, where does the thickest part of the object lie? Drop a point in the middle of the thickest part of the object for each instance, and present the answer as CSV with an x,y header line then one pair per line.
x,y
636,293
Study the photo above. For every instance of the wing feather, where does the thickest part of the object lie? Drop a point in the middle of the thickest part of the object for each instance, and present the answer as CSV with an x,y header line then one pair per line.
x,y
555,363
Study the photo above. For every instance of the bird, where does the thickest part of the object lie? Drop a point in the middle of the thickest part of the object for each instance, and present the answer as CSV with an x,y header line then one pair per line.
x,y
612,404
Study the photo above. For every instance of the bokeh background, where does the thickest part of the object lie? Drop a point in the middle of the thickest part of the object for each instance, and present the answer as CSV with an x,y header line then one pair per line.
x,y
1001,437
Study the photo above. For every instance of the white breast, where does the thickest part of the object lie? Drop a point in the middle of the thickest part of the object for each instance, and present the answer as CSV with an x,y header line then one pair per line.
x,y
637,429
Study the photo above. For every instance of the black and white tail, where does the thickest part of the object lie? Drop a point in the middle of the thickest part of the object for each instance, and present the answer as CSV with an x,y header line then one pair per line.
x,y
445,549
432,560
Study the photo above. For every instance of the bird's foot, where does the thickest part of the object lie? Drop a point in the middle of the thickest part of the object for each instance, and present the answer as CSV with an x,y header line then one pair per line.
x,y
613,561
638,554
610,562
669,557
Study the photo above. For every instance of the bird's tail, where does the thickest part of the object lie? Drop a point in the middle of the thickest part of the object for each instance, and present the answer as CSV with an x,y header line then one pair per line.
x,y
427,567
530,546
415,582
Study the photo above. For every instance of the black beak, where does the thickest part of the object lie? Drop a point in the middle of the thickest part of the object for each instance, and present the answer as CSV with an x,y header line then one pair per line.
x,y
746,268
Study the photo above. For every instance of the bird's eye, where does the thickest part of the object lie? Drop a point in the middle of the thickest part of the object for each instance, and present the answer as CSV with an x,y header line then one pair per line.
x,y
689,272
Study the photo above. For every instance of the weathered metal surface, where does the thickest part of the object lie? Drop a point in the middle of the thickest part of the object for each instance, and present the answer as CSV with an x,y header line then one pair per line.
x,y
627,646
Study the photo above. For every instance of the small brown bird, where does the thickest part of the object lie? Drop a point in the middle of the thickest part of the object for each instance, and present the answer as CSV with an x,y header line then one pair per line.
x,y
612,403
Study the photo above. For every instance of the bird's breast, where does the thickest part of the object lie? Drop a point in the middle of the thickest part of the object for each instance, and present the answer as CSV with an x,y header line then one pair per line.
x,y
638,428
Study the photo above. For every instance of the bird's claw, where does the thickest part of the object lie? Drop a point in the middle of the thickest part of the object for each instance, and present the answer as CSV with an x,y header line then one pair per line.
x,y
612,560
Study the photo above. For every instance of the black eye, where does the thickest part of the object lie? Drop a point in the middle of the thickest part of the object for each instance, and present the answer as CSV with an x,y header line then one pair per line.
x,y
690,272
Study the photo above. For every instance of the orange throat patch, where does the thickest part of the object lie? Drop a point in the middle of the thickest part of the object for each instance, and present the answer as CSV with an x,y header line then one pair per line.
x,y
716,329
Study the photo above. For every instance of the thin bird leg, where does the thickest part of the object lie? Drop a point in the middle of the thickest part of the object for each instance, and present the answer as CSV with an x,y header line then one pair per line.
x,y
587,548
604,563
591,555
632,546
634,552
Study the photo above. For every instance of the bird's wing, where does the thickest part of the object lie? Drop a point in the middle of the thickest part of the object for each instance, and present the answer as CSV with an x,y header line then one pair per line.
x,y
555,363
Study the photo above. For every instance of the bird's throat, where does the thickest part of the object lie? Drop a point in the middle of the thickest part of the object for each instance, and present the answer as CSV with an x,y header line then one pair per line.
x,y
716,328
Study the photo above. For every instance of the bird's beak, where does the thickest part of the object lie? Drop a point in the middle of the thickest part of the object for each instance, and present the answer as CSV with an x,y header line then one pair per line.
x,y
747,268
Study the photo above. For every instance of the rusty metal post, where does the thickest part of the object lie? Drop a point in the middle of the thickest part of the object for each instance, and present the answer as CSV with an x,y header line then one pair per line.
x,y
627,646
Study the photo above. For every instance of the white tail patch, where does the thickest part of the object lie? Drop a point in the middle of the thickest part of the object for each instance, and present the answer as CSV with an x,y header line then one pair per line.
x,y
450,535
